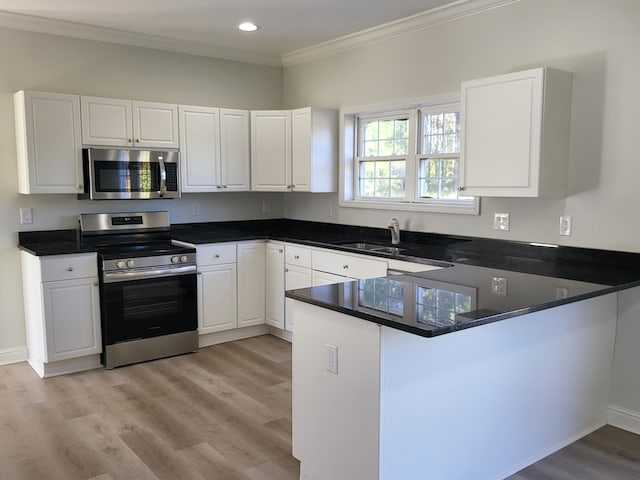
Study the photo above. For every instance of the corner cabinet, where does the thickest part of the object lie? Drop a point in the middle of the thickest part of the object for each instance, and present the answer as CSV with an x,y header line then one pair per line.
x,y
62,312
515,134
127,123
214,149
294,150
48,142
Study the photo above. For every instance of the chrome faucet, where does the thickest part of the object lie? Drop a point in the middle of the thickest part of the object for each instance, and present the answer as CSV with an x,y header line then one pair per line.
x,y
394,226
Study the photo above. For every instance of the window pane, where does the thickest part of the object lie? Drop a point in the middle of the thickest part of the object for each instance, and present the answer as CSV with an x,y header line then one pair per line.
x,y
370,149
371,130
381,187
396,188
386,148
397,170
441,133
382,169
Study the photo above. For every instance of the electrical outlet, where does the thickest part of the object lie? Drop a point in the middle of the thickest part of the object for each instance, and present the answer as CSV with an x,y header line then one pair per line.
x,y
332,358
26,215
565,225
195,209
501,221
561,293
499,286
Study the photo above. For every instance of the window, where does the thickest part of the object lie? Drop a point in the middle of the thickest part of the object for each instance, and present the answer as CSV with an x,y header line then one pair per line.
x,y
405,159
382,159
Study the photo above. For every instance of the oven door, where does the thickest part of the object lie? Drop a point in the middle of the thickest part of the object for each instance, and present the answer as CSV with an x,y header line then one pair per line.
x,y
148,308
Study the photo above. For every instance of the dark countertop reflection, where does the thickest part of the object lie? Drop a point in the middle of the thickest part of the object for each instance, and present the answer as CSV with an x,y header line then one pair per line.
x,y
442,301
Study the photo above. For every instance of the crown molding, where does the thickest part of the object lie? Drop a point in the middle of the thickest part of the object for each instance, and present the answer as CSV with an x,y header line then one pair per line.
x,y
404,26
34,23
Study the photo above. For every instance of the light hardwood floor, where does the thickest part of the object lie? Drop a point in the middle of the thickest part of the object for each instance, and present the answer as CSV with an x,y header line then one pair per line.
x,y
222,413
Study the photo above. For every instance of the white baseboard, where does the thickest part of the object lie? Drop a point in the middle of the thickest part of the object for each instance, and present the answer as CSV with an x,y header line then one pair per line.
x,y
282,334
13,355
625,419
208,339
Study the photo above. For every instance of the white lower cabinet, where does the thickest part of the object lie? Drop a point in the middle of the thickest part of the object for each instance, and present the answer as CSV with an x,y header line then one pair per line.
x,y
295,277
251,283
323,278
217,297
62,312
274,285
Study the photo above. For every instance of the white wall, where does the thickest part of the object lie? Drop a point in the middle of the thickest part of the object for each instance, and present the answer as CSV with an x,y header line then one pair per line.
x,y
594,39
33,61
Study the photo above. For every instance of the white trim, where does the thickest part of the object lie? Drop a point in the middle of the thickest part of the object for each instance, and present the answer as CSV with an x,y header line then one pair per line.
x,y
622,418
209,339
467,209
404,26
13,355
33,23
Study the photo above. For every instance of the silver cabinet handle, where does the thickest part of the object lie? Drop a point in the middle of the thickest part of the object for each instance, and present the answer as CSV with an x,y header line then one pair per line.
x,y
345,266
461,188
69,269
129,140
216,256
297,257
280,250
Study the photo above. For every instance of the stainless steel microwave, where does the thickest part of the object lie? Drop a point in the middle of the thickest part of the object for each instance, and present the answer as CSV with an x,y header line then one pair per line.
x,y
118,174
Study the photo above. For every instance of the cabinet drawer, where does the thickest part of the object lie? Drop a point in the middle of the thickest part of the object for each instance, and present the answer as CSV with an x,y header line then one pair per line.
x,y
348,265
299,256
68,267
215,253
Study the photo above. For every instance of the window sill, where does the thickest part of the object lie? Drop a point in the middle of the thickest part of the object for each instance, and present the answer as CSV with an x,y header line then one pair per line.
x,y
468,209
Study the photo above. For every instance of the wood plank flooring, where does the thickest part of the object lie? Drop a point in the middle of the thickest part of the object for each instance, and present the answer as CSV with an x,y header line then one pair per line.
x,y
223,413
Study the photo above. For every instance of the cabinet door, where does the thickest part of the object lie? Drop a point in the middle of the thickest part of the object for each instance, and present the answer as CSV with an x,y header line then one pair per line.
x,y
295,277
235,162
217,298
106,121
72,319
502,126
271,150
251,284
301,150
274,287
199,149
155,125
48,142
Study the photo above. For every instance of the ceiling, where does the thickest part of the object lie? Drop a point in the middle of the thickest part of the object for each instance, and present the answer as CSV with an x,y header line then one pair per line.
x,y
208,27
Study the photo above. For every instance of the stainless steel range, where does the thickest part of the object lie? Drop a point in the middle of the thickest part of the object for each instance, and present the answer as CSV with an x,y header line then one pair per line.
x,y
148,293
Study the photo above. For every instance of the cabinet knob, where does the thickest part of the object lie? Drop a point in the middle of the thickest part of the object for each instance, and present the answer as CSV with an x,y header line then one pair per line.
x,y
137,140
345,266
461,188
216,255
69,269
297,257
129,140
95,284
80,187
280,250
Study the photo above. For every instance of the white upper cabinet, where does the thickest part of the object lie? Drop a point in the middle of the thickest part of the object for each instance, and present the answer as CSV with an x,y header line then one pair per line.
x,y
235,160
200,149
515,134
214,149
126,123
271,150
294,150
48,142
314,152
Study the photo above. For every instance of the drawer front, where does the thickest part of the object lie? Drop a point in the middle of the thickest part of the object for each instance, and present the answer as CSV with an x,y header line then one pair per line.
x,y
299,256
348,265
215,254
68,267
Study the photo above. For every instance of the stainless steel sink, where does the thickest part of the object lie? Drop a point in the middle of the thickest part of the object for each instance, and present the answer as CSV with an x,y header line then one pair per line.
x,y
374,247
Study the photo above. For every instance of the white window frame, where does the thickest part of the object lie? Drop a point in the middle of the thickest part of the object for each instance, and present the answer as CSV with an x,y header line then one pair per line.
x,y
348,169
409,158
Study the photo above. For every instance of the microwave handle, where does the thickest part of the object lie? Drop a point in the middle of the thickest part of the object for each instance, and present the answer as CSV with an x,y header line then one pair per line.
x,y
163,179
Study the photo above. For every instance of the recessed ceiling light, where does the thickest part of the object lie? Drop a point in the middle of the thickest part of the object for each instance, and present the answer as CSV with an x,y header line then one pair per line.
x,y
248,27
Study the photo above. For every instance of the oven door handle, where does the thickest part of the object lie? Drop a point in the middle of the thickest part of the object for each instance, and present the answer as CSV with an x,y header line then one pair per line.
x,y
142,274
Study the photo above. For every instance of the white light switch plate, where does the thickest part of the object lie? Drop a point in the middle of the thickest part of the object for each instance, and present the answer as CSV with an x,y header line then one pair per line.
x,y
565,225
26,216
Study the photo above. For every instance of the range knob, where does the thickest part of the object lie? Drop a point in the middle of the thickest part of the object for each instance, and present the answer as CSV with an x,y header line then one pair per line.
x,y
175,259
121,264
184,259
130,263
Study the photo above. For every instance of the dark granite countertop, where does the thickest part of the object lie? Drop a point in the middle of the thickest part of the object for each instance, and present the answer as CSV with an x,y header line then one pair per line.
x,y
538,276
